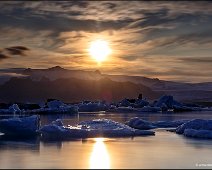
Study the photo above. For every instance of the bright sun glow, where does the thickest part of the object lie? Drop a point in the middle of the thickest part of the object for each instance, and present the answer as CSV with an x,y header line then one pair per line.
x,y
99,158
99,50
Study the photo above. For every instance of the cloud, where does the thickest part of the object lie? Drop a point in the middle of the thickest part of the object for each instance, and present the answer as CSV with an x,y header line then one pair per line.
x,y
3,56
206,60
9,52
17,50
148,38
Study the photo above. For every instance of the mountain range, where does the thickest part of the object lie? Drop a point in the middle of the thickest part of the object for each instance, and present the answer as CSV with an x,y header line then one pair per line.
x,y
35,85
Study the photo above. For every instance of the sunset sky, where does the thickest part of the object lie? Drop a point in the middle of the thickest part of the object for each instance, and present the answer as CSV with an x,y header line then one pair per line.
x,y
167,40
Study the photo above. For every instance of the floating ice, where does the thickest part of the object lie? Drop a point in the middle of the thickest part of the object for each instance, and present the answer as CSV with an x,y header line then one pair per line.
x,y
198,128
92,107
150,109
204,134
55,106
197,124
169,124
168,101
138,103
123,109
138,123
26,126
14,109
91,128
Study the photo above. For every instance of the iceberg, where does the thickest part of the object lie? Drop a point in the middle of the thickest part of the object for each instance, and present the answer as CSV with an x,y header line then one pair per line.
x,y
13,109
169,124
55,106
123,109
89,129
197,128
92,107
204,134
138,103
68,109
150,109
197,124
141,124
138,123
186,108
26,126
167,101
125,103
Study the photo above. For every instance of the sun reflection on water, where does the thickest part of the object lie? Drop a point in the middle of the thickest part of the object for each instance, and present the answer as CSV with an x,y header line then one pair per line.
x,y
99,158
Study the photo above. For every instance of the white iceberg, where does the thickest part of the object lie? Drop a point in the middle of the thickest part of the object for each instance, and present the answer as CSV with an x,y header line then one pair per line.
x,y
13,109
123,109
138,123
55,106
137,103
26,126
62,110
197,124
125,103
204,134
89,129
169,124
186,108
198,128
92,107
141,124
150,109
168,101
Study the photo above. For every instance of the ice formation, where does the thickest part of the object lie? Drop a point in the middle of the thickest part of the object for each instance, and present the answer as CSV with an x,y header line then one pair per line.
x,y
16,126
91,128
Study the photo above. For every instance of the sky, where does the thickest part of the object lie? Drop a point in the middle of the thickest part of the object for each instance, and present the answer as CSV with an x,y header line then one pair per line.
x,y
168,40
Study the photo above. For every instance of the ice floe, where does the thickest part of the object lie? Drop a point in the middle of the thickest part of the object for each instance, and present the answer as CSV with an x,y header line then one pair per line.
x,y
204,134
16,126
139,123
92,107
55,106
91,128
123,109
197,128
150,109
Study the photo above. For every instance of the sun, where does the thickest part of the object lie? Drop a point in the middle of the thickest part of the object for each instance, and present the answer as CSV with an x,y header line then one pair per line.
x,y
99,50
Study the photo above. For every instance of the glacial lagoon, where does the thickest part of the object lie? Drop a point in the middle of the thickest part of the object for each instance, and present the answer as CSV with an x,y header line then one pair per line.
x,y
164,150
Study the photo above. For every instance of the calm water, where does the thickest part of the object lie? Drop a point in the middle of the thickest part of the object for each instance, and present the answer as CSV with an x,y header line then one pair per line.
x,y
165,150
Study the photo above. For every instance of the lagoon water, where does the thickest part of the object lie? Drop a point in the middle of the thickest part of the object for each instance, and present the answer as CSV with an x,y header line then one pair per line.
x,y
164,150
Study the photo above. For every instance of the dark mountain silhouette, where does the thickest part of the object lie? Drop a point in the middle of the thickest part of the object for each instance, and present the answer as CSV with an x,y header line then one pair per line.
x,y
181,91
71,90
